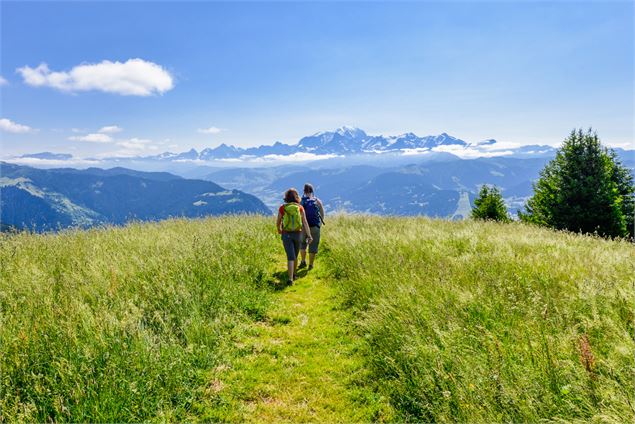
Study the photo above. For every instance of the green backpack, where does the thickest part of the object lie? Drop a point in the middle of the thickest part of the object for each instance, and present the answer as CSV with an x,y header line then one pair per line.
x,y
292,220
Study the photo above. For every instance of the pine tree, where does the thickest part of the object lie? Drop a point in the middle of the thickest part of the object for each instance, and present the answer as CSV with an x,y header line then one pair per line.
x,y
584,189
489,205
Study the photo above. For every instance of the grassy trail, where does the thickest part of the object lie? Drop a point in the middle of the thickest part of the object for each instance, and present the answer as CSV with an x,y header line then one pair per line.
x,y
300,364
445,321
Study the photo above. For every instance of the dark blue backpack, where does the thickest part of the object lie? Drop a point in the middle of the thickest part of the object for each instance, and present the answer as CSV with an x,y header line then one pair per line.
x,y
312,211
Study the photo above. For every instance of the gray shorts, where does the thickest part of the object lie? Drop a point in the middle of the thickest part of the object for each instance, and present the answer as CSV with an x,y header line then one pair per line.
x,y
291,243
313,247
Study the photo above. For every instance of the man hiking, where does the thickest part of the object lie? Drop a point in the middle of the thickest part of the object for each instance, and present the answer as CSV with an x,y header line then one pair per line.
x,y
314,211
292,223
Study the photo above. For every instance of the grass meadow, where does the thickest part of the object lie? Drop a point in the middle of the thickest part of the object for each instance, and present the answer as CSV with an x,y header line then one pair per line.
x,y
125,324
453,321
484,322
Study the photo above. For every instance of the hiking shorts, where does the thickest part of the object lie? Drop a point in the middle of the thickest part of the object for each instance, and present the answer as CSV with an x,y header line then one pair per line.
x,y
313,247
291,242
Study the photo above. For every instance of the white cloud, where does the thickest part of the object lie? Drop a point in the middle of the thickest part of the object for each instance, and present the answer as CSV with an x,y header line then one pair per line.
x,y
134,143
135,77
110,129
135,146
52,163
294,157
92,138
471,152
3,81
210,130
9,126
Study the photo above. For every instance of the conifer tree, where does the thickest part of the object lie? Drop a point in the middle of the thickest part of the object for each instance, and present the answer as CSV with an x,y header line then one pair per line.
x,y
584,189
489,205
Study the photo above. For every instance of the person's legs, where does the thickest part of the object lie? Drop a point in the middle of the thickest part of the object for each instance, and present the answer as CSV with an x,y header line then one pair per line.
x,y
296,251
303,246
291,252
313,247
290,269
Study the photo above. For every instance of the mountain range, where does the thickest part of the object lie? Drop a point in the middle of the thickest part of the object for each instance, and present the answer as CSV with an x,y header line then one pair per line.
x,y
396,175
343,142
443,186
51,199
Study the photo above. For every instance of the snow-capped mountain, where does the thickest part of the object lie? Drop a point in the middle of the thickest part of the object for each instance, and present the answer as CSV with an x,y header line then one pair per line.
x,y
343,141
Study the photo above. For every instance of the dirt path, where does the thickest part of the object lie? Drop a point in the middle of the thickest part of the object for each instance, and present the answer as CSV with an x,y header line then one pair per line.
x,y
301,364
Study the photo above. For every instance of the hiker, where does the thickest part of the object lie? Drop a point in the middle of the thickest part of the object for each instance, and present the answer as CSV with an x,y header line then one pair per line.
x,y
314,211
291,222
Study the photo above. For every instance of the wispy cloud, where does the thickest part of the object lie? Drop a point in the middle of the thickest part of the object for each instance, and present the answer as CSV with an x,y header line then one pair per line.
x,y
8,125
134,146
135,77
210,130
53,162
3,81
92,138
294,157
134,143
471,152
110,129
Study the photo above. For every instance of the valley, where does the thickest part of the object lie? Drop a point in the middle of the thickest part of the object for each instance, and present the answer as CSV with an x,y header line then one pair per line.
x,y
352,172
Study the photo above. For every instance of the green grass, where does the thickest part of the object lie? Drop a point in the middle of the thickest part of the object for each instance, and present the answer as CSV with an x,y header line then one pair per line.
x,y
402,320
484,322
125,324
300,365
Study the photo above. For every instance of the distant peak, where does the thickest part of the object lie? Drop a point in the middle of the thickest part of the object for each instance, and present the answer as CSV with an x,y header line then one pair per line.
x,y
348,128
345,131
350,131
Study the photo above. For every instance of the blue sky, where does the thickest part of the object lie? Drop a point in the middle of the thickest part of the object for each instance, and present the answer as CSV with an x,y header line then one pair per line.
x,y
523,72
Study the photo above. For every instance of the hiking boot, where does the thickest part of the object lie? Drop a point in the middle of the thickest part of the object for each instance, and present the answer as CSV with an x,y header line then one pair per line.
x,y
310,267
289,282
302,264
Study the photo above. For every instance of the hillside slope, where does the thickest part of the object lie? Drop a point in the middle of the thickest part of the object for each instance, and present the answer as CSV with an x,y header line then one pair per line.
x,y
405,319
58,198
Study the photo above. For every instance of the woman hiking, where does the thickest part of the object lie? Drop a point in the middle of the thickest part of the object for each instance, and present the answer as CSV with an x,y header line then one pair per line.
x,y
314,211
291,222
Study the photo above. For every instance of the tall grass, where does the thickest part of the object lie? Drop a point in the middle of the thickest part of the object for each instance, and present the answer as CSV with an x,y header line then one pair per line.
x,y
485,322
461,321
124,324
